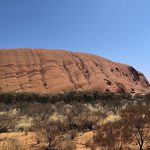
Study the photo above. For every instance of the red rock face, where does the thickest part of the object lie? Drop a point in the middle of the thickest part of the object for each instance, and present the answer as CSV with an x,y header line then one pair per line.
x,y
47,71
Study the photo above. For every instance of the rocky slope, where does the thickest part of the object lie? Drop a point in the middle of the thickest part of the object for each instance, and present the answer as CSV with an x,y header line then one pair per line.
x,y
37,70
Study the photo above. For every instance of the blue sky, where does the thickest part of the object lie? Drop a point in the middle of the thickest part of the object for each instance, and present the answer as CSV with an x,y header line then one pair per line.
x,y
115,29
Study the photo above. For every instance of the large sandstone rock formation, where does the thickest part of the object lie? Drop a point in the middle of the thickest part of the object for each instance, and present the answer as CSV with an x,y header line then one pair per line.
x,y
37,70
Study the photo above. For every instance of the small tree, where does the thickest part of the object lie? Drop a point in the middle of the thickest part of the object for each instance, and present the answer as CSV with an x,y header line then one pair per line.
x,y
138,117
113,136
53,133
50,130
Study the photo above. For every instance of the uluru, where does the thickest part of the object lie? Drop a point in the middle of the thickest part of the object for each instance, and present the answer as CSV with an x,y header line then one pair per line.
x,y
51,71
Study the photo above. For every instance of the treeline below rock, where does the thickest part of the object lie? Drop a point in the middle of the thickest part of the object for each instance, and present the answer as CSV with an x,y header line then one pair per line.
x,y
67,97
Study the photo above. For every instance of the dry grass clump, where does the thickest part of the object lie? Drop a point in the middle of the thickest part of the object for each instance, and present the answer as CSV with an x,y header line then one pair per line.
x,y
11,144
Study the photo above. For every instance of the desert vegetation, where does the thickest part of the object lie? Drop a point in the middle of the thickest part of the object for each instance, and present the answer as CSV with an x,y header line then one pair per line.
x,y
61,121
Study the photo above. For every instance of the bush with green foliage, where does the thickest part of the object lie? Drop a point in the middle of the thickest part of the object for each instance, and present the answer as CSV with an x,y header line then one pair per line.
x,y
67,97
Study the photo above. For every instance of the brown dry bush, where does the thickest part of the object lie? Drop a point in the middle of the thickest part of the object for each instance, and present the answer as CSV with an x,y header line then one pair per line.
x,y
53,133
71,134
90,144
138,118
7,122
50,130
113,136
80,117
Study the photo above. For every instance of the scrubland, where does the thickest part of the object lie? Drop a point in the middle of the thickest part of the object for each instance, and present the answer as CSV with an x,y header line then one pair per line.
x,y
74,121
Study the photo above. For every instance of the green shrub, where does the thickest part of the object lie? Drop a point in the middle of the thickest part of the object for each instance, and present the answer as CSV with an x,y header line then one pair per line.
x,y
67,97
